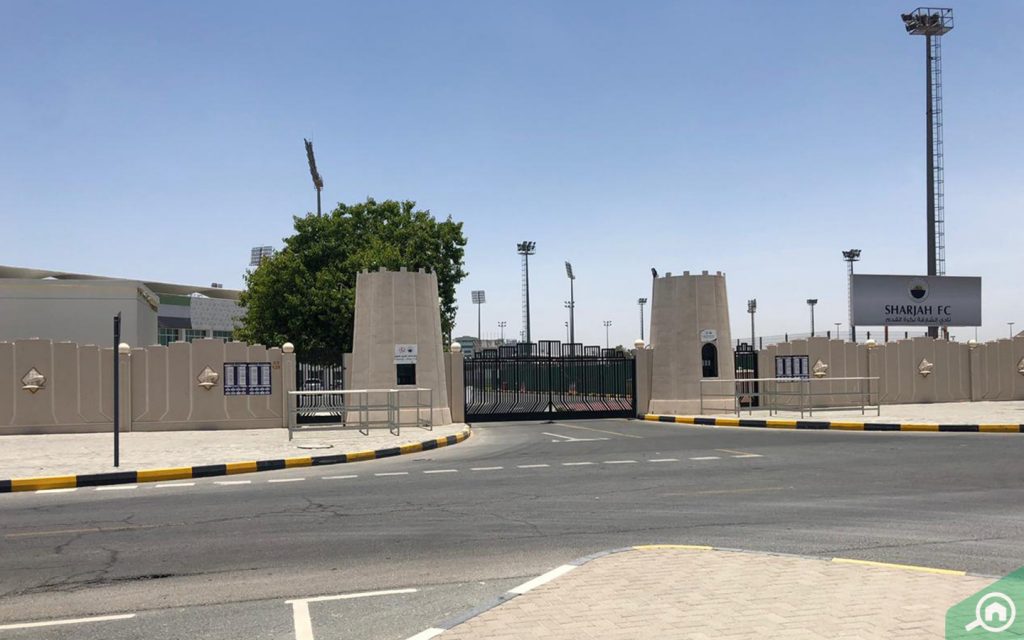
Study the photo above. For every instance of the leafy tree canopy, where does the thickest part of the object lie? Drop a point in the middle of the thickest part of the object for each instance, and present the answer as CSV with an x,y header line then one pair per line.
x,y
306,293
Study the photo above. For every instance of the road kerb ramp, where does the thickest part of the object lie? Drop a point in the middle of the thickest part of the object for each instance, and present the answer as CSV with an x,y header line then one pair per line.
x,y
229,468
836,425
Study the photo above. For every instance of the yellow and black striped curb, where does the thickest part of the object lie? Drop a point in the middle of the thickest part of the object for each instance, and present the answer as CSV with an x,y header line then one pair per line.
x,y
227,469
778,423
569,566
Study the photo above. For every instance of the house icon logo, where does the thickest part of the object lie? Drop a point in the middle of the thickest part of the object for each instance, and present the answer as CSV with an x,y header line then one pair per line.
x,y
995,613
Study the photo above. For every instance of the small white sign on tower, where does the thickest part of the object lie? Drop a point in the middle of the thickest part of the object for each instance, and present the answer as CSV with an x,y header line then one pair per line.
x,y
405,353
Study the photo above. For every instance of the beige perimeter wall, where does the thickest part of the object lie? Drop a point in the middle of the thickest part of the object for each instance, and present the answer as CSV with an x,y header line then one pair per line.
x,y
160,387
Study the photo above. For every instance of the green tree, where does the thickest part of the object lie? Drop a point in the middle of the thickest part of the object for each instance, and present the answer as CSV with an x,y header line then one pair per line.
x,y
306,293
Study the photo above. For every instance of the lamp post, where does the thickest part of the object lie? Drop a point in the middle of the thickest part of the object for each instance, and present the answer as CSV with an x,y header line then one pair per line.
x,y
567,331
479,298
572,302
607,323
501,325
641,302
526,249
1011,329
851,256
752,309
810,303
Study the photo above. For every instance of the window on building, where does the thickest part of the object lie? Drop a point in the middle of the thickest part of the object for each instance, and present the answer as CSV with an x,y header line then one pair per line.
x,y
224,335
194,334
167,335
709,360
406,373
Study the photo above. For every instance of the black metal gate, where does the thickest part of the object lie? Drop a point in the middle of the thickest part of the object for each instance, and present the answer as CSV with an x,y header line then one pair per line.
x,y
313,409
746,368
549,380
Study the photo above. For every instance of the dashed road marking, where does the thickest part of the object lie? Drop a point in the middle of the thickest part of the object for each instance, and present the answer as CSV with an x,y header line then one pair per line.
x,y
486,468
664,460
531,466
231,482
393,473
340,477
442,471
570,438
286,480
620,461
740,454
52,623
67,490
612,433
576,464
174,484
707,458
118,487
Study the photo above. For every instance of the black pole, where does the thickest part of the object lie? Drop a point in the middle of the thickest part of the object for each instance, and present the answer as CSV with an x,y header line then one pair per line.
x,y
930,152
117,390
572,313
318,203
526,267
641,322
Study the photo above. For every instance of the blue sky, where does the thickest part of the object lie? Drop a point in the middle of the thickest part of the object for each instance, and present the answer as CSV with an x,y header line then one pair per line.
x,y
163,140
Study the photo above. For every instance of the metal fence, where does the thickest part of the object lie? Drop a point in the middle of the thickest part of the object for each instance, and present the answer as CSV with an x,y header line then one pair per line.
x,y
362,409
805,395
313,408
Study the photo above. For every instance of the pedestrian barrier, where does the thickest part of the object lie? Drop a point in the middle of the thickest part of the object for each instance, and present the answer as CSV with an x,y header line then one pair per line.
x,y
361,409
796,394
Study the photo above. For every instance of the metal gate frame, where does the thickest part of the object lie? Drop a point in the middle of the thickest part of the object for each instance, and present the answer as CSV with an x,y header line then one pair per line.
x,y
745,361
549,380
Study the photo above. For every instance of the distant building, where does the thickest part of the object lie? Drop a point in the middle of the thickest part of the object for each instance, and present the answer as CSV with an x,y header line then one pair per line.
x,y
61,306
470,345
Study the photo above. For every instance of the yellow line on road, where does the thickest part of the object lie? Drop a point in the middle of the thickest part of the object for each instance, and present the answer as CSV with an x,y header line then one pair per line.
x,y
614,433
905,567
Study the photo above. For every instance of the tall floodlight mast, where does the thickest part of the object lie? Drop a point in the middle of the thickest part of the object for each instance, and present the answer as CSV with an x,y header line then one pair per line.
x,y
933,23
526,249
318,182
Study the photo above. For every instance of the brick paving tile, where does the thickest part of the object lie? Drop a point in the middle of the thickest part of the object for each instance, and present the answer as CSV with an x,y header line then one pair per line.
x,y
727,595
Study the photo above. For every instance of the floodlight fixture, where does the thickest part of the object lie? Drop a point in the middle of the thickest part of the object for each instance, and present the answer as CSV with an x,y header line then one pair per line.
x,y
258,254
479,297
568,270
928,21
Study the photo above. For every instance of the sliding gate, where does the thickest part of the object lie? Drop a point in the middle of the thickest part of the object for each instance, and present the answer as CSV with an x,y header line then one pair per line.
x,y
548,381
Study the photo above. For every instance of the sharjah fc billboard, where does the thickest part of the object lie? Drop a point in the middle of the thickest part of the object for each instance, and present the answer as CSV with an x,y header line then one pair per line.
x,y
948,301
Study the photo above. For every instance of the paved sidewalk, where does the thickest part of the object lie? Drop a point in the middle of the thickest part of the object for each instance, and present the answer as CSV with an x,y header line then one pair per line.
x,y
670,593
66,454
1007,412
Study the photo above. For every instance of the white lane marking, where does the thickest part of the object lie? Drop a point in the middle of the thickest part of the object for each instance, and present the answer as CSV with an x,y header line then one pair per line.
x,y
174,484
664,460
230,482
339,477
620,461
300,608
531,466
286,480
393,473
570,438
427,634
50,623
486,468
749,455
611,433
442,471
67,490
543,579
352,596
707,458
575,464
303,623
118,487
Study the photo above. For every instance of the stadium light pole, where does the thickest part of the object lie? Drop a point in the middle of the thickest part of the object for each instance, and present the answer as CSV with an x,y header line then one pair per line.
x,y
318,182
479,298
752,309
641,302
572,302
526,249
850,256
501,325
810,303
933,23
607,323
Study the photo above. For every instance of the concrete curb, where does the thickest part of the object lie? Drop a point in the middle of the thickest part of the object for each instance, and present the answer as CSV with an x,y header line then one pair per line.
x,y
841,425
557,572
230,468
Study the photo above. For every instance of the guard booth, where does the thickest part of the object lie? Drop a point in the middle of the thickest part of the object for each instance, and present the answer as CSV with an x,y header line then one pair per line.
x,y
746,369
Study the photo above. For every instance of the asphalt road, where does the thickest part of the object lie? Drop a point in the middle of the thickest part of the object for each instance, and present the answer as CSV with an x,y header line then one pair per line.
x,y
444,531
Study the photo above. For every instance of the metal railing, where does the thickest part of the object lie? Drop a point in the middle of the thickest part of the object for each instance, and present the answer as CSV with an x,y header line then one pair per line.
x,y
796,394
363,409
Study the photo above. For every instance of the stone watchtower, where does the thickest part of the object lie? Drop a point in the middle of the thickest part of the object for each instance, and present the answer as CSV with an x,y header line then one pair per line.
x,y
691,340
397,336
